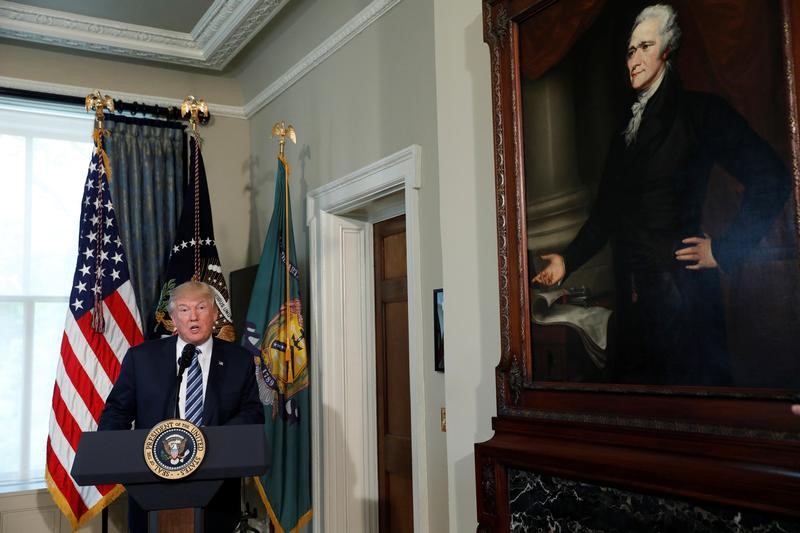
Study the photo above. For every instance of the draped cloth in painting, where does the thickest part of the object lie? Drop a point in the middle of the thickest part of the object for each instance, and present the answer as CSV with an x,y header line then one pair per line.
x,y
148,160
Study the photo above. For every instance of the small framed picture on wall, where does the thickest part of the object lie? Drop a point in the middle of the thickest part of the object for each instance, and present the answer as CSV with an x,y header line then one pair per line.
x,y
438,330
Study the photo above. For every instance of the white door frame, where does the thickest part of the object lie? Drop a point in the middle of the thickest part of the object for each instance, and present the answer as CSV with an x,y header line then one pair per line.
x,y
342,326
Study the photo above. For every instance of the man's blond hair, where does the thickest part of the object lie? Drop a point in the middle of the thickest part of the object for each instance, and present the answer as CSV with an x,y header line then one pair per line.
x,y
194,288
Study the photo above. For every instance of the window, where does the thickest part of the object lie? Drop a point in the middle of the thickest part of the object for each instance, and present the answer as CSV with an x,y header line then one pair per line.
x,y
45,156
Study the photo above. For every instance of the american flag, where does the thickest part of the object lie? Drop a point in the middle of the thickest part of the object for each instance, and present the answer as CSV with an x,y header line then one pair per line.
x,y
102,323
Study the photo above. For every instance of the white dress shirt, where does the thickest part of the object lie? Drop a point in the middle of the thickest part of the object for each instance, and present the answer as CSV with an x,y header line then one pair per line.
x,y
205,364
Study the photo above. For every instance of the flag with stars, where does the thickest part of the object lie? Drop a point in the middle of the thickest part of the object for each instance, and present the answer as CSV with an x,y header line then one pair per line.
x,y
194,254
102,323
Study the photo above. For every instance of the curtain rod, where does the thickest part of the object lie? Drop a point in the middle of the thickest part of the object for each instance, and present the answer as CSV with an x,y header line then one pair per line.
x,y
169,113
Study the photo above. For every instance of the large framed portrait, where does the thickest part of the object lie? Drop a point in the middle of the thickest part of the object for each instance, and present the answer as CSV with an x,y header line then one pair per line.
x,y
646,172
705,162
661,179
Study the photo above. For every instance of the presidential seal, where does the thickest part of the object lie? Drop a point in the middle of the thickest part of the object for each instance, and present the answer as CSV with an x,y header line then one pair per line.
x,y
174,448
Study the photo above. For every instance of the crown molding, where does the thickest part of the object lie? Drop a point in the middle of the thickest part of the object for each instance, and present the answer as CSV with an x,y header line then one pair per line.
x,y
353,27
219,35
220,110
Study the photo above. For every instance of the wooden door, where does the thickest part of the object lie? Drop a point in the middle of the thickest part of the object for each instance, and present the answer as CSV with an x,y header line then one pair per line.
x,y
396,509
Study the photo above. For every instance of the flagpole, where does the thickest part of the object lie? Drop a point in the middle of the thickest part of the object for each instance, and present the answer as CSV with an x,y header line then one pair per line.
x,y
193,107
282,131
98,103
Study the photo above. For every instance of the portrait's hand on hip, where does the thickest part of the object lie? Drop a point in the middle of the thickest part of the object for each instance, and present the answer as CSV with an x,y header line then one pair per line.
x,y
699,252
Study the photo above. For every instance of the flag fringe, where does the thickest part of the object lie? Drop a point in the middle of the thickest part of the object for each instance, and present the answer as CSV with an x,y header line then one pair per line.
x,y
60,501
282,159
302,521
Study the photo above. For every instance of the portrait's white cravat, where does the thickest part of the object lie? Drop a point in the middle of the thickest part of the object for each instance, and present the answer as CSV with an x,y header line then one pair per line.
x,y
638,108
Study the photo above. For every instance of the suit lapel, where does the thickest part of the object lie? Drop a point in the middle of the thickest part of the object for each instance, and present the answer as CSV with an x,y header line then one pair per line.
x,y
168,368
216,376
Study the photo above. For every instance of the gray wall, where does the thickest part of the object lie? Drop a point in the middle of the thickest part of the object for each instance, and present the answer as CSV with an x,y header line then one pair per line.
x,y
469,245
370,99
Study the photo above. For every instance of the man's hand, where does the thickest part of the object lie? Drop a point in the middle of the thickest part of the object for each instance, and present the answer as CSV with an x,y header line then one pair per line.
x,y
796,409
699,252
554,271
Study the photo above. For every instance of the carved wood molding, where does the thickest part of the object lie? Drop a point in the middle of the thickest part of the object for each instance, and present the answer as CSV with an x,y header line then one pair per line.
x,y
495,33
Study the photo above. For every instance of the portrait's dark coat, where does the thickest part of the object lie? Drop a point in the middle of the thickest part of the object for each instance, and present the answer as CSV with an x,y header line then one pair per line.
x,y
671,326
144,394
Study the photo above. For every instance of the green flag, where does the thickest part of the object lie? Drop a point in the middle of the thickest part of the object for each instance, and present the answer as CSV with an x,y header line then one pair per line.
x,y
275,335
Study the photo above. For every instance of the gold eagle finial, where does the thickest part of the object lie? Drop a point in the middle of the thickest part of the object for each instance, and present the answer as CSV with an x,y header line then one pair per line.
x,y
193,107
280,129
97,102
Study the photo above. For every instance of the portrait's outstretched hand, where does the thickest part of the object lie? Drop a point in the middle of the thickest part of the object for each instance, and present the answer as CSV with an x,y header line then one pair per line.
x,y
796,409
554,271
699,252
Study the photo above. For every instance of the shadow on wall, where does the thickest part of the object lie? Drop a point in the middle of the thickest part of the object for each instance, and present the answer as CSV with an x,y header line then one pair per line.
x,y
253,188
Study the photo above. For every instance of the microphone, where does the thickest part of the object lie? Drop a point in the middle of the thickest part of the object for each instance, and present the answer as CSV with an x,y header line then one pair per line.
x,y
183,363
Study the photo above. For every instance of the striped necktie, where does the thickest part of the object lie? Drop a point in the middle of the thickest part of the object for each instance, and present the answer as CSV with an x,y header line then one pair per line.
x,y
194,392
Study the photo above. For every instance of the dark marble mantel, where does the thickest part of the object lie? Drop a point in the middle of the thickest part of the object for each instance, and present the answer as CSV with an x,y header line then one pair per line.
x,y
540,503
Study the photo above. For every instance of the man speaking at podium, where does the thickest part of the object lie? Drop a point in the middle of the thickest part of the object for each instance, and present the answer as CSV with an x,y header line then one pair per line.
x,y
220,378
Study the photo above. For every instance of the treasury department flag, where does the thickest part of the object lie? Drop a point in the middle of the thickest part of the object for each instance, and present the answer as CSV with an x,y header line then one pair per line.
x,y
102,323
274,334
194,254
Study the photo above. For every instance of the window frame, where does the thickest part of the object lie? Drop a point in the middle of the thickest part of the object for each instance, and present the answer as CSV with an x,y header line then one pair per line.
x,y
41,123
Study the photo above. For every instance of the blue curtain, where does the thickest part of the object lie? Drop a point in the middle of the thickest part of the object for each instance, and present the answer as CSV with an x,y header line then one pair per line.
x,y
148,170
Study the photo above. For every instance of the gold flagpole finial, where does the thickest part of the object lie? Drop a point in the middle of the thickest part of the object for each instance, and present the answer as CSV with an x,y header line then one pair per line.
x,y
95,101
280,129
193,107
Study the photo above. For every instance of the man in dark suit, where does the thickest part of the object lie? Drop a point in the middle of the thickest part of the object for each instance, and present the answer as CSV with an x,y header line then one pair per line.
x,y
144,393
668,304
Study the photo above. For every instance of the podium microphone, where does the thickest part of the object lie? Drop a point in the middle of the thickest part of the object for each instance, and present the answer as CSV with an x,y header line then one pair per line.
x,y
183,364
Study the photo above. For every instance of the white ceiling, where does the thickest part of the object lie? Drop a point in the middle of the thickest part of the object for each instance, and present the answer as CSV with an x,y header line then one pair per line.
x,y
199,33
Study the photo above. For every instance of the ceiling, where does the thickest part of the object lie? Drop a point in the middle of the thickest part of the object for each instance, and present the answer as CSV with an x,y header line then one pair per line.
x,y
198,33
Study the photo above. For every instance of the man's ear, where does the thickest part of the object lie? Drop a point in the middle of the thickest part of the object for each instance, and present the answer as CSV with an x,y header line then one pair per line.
x,y
665,54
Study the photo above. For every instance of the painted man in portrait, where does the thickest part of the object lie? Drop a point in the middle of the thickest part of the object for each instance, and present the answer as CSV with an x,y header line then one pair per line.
x,y
668,301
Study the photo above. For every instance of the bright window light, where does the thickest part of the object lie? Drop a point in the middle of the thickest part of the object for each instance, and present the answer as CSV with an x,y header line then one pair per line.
x,y
45,155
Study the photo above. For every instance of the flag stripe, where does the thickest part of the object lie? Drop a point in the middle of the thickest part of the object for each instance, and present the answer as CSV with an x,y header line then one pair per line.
x,y
81,381
89,495
65,438
99,344
133,333
64,453
86,357
78,410
64,483
119,303
66,422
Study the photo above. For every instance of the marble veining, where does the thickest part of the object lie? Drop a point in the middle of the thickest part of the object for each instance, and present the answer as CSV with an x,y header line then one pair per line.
x,y
540,503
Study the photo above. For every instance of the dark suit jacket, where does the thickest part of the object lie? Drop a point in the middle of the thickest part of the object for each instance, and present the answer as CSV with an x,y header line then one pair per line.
x,y
144,394
651,196
652,193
